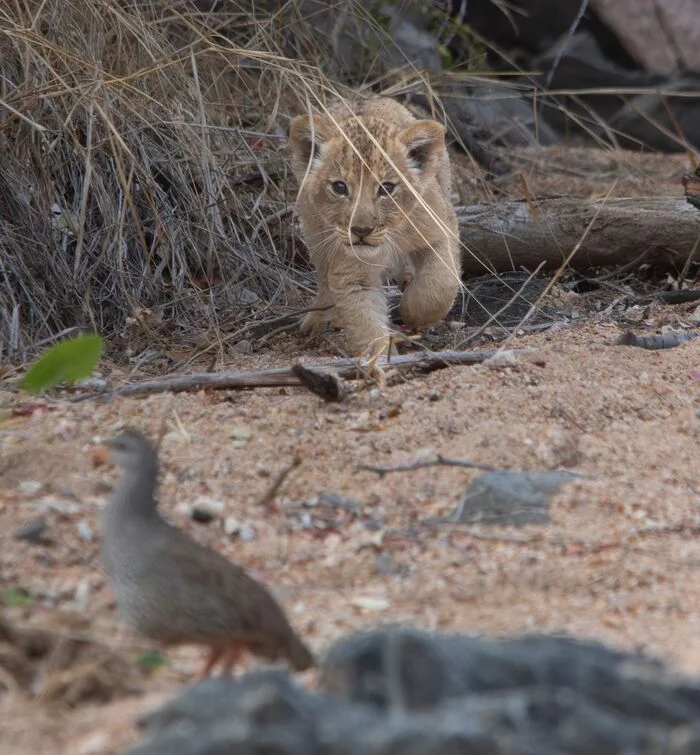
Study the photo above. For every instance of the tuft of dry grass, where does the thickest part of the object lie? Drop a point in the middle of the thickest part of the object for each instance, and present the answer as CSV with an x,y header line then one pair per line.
x,y
143,179
144,188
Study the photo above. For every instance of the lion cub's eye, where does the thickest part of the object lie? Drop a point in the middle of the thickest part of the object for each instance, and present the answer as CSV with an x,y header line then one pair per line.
x,y
386,189
340,188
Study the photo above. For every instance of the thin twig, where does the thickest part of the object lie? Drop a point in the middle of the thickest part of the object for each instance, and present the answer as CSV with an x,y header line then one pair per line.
x,y
272,491
439,461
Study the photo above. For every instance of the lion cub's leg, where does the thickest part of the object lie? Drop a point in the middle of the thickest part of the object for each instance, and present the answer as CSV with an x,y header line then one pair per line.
x,y
436,283
362,311
314,321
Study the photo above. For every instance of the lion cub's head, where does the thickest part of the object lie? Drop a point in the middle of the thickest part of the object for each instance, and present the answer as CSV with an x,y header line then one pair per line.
x,y
356,173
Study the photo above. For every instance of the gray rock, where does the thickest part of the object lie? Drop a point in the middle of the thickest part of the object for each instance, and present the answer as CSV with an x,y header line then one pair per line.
x,y
400,668
85,532
577,62
663,37
498,115
385,36
34,531
29,487
400,691
504,497
264,711
645,119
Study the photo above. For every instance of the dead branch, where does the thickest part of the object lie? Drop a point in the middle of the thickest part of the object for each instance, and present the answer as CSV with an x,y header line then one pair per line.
x,y
348,369
277,483
439,461
681,296
655,342
508,236
324,384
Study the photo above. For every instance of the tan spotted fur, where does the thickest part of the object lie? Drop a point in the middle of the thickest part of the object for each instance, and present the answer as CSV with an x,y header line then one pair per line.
x,y
414,238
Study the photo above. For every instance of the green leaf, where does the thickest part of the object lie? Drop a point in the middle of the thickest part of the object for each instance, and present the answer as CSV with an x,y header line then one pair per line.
x,y
67,362
16,596
151,660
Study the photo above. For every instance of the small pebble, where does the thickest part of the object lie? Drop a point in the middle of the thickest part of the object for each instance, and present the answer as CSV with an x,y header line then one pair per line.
x,y
369,603
81,597
247,533
501,359
95,744
333,500
384,564
305,520
93,382
85,531
434,395
205,509
241,432
29,487
231,525
34,531
203,516
54,504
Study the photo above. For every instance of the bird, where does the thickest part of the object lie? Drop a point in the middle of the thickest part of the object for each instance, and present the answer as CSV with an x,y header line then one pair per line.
x,y
176,591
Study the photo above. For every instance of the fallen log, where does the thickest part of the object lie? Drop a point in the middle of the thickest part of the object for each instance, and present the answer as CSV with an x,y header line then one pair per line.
x,y
514,235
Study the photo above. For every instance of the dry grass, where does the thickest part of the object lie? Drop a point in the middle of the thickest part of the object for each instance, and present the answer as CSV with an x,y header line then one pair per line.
x,y
144,177
141,164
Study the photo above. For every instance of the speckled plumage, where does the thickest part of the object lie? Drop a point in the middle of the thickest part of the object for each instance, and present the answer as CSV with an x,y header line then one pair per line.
x,y
175,590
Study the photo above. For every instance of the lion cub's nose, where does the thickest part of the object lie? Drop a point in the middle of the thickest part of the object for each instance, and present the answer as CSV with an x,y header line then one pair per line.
x,y
361,231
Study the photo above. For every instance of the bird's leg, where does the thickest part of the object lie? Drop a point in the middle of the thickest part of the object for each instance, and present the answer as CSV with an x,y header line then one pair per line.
x,y
212,659
231,657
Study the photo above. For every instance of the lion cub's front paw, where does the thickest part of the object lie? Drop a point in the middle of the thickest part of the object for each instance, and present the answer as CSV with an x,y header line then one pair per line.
x,y
314,322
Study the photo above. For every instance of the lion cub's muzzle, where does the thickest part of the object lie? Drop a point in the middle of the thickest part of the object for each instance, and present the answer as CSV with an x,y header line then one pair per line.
x,y
363,238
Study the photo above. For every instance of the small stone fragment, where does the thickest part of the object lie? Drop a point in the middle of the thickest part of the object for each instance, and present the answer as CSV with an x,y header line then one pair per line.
x,y
501,359
384,564
205,509
369,603
81,598
231,526
247,533
241,433
65,508
29,487
85,532
34,531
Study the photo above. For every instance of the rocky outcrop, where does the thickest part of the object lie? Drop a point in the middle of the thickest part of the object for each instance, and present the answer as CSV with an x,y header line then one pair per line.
x,y
405,691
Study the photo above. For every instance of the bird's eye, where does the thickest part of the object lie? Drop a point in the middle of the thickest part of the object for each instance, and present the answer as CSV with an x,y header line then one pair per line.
x,y
340,188
386,189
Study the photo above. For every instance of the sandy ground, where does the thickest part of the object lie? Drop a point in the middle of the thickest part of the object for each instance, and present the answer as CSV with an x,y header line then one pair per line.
x,y
619,560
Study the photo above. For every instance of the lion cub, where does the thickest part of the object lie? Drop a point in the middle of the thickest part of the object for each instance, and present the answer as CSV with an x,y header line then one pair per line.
x,y
374,203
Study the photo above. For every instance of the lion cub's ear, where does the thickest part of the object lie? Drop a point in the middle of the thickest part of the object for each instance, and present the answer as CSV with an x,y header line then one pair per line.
x,y
425,142
306,137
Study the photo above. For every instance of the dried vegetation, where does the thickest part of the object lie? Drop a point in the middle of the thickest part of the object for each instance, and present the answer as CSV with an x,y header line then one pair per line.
x,y
143,181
